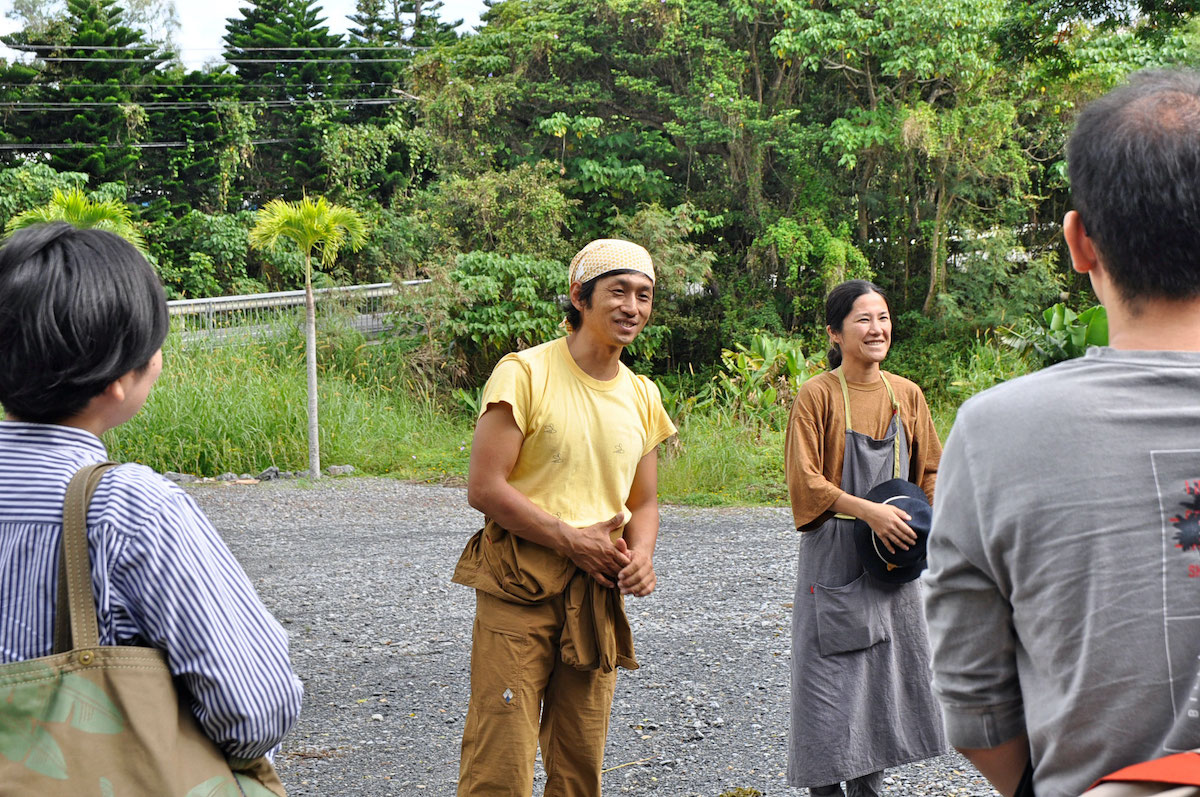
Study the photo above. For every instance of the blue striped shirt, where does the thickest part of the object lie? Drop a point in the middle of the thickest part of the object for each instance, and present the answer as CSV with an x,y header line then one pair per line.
x,y
162,578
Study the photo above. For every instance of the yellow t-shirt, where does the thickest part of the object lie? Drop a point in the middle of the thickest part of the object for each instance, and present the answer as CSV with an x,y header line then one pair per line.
x,y
584,437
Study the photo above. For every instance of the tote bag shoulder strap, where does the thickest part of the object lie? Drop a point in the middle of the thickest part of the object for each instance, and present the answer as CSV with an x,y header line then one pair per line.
x,y
75,623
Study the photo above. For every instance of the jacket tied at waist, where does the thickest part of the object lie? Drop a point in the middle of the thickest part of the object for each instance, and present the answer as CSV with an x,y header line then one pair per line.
x,y
595,634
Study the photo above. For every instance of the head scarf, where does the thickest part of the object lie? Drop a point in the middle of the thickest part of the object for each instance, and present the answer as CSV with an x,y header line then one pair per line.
x,y
608,254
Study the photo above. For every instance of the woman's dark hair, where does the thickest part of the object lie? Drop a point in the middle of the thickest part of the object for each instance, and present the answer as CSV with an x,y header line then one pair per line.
x,y
574,317
838,305
78,310
1134,161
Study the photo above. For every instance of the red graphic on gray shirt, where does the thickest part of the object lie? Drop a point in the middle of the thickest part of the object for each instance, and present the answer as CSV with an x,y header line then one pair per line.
x,y
1187,522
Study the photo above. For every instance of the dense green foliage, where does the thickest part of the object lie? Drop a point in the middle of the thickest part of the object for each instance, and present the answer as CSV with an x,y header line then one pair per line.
x,y
1060,333
763,150
77,209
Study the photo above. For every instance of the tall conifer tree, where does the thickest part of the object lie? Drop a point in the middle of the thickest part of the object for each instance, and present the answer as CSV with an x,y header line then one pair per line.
x,y
99,135
378,24
283,49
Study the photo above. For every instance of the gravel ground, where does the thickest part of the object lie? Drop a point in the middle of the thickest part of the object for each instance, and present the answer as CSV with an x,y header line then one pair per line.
x,y
358,571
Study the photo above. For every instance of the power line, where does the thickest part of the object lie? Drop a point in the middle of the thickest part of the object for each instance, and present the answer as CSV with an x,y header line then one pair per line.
x,y
135,145
236,60
39,107
233,85
152,47
235,91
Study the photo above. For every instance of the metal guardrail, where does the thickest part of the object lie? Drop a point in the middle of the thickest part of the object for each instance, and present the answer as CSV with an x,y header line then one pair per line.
x,y
226,320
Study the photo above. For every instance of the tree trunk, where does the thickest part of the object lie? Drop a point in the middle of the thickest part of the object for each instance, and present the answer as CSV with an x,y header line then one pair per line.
x,y
913,230
935,256
310,356
866,169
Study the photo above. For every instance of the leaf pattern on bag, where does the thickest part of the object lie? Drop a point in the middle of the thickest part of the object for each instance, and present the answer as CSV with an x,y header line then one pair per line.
x,y
251,787
106,789
49,697
29,699
220,786
24,741
86,706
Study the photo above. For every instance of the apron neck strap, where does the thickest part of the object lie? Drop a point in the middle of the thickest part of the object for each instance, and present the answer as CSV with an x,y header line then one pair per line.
x,y
895,413
846,395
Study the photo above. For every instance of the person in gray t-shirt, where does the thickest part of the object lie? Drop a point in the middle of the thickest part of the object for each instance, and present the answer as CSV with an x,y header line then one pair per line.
x,y
1062,593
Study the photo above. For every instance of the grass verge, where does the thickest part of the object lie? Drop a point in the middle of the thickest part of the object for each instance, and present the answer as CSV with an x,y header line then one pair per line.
x,y
720,461
241,409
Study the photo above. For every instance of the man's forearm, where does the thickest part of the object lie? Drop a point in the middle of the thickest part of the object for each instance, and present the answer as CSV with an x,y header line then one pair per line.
x,y
641,532
514,512
1003,764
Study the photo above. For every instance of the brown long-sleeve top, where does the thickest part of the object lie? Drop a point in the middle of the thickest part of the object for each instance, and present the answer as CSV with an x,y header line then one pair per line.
x,y
816,439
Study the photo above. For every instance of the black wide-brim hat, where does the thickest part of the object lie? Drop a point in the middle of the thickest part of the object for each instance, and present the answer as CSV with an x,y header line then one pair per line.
x,y
902,566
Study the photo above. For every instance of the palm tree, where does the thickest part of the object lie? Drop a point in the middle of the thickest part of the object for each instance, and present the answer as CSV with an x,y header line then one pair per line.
x,y
75,208
312,225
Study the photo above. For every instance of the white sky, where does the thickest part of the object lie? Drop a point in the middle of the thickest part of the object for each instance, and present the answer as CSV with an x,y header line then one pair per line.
x,y
202,23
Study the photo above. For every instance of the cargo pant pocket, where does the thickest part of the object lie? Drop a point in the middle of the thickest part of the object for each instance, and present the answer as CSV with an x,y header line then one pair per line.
x,y
849,617
498,664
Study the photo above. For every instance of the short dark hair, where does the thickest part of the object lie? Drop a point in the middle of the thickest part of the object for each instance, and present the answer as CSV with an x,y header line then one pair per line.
x,y
78,310
1134,162
838,305
586,289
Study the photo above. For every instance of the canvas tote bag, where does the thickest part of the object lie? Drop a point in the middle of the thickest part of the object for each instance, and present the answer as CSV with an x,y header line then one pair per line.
x,y
106,721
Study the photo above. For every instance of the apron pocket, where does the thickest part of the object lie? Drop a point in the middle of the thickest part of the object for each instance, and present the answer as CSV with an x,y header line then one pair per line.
x,y
848,617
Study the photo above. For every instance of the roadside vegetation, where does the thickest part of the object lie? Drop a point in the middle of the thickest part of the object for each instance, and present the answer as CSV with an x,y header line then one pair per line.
x,y
761,150
241,408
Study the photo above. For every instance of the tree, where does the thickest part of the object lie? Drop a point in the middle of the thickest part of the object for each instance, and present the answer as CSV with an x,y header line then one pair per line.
x,y
31,185
92,108
379,24
1043,30
312,225
200,110
75,208
427,28
157,19
284,52
927,117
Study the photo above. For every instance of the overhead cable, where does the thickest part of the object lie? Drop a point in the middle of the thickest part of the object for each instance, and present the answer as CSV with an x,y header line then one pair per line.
x,y
135,145
38,107
58,85
153,47
232,60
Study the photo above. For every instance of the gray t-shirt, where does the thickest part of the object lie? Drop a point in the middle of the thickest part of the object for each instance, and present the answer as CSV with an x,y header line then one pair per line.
x,y
1063,590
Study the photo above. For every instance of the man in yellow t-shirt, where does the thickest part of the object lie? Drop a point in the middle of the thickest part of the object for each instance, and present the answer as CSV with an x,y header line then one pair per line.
x,y
564,467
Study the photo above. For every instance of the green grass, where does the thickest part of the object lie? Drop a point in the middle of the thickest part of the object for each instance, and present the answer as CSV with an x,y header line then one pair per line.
x,y
242,409
720,461
944,413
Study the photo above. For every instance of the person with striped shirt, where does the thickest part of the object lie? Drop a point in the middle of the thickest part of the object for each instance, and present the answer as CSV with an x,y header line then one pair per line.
x,y
82,321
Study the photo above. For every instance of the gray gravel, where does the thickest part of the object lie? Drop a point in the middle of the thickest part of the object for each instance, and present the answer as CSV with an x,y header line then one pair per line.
x,y
358,571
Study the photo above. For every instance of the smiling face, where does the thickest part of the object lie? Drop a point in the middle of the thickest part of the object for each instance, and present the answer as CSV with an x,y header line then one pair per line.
x,y
866,333
618,309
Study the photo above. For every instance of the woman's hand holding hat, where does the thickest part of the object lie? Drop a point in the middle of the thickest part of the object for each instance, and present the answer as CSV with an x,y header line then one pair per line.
x,y
888,523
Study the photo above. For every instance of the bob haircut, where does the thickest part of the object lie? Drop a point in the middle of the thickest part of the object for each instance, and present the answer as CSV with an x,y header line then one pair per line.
x,y
838,305
586,289
1134,162
78,310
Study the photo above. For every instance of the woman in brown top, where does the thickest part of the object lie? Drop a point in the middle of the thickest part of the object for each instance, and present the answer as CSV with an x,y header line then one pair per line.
x,y
861,700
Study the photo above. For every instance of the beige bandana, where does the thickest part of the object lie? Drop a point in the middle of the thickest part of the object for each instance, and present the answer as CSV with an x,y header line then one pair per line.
x,y
609,254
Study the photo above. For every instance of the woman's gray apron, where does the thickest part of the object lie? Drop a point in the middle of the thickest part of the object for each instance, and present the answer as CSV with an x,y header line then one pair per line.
x,y
861,697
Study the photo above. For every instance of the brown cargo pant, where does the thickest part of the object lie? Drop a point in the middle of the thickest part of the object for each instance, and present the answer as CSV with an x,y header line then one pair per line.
x,y
522,692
